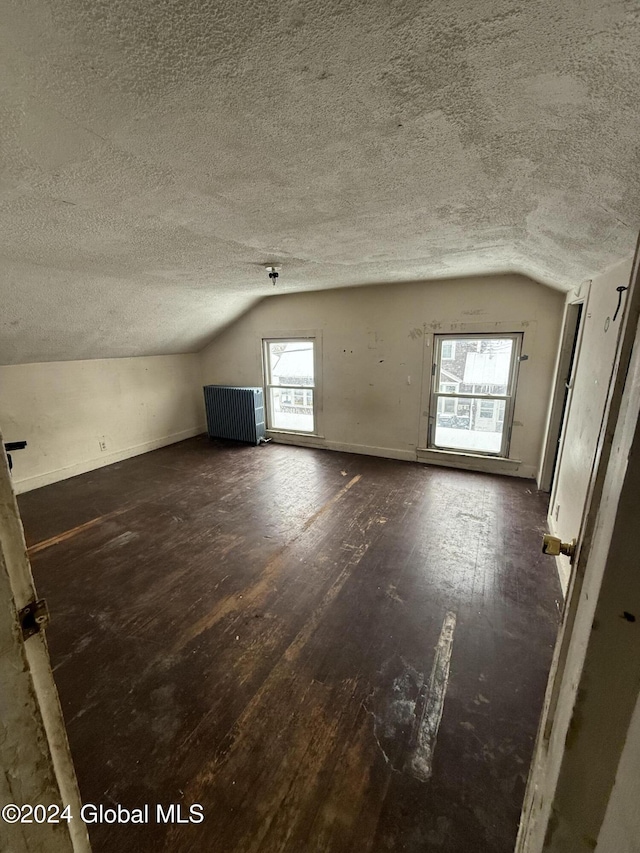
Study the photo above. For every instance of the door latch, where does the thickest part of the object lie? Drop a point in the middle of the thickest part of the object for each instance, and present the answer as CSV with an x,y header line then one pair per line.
x,y
33,618
554,546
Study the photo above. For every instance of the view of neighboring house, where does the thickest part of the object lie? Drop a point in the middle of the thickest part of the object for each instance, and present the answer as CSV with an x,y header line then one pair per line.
x,y
290,386
473,366
472,371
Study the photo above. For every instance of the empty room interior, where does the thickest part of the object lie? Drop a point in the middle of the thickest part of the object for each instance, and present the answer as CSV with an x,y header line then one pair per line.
x,y
319,392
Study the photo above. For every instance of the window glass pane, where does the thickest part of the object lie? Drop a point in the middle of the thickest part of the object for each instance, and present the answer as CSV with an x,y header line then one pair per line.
x,y
291,362
476,365
291,409
475,425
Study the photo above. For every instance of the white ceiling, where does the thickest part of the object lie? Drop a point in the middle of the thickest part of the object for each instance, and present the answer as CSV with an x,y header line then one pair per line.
x,y
157,152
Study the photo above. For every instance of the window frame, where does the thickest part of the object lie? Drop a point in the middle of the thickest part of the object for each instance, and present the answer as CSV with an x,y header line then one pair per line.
x,y
268,385
509,398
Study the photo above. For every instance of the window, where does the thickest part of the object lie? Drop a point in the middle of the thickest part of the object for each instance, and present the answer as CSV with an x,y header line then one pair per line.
x,y
473,398
289,370
448,350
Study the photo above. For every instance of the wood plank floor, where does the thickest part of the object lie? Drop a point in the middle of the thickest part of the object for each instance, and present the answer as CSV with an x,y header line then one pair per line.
x,y
329,652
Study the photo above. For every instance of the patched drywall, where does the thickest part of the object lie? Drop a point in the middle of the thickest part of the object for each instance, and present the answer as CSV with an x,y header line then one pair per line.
x,y
81,415
590,386
155,155
377,353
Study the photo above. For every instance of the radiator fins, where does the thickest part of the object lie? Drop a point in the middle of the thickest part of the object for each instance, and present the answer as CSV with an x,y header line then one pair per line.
x,y
236,413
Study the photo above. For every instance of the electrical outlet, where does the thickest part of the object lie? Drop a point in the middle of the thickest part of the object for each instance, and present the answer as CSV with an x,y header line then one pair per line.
x,y
103,445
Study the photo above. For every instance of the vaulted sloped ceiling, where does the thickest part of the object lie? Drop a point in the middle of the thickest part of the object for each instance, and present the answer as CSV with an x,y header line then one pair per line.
x,y
156,153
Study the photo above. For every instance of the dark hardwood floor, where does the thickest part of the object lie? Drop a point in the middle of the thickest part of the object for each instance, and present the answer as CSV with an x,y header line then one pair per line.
x,y
329,652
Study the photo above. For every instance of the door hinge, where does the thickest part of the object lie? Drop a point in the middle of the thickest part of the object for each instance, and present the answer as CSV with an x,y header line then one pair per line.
x,y
433,369
33,618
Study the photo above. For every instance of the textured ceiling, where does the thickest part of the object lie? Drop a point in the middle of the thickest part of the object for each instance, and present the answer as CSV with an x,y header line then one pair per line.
x,y
156,152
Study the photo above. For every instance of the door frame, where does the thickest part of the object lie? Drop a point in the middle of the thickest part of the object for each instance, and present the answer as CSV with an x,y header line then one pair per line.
x,y
35,751
561,711
572,331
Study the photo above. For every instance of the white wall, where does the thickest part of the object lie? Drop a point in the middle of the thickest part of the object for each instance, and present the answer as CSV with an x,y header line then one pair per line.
x,y
376,344
591,381
64,409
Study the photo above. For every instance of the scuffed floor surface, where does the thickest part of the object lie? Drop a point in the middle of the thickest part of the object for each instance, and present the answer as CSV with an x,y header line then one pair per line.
x,y
328,652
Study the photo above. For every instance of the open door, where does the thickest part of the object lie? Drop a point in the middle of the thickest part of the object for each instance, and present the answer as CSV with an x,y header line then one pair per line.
x,y
593,687
39,798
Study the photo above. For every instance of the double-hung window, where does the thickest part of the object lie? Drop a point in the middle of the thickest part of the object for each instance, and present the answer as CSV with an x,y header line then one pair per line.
x,y
289,373
473,392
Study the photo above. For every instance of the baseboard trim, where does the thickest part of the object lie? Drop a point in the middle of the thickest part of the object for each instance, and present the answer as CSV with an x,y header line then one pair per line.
x,y
323,444
476,462
463,461
27,484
